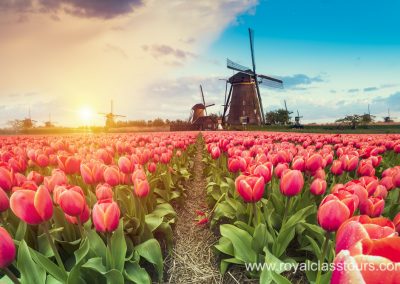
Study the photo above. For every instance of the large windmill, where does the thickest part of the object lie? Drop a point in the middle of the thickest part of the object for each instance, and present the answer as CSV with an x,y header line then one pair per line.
x,y
198,114
244,99
110,117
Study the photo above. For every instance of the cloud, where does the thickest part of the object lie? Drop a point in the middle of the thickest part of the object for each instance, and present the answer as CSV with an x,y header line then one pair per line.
x,y
353,90
105,9
115,49
370,89
162,51
297,80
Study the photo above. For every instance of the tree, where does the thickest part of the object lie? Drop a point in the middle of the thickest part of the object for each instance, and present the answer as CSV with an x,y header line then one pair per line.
x,y
279,116
350,120
366,118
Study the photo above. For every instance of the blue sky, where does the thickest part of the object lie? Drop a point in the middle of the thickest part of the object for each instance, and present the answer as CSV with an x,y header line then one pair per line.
x,y
335,57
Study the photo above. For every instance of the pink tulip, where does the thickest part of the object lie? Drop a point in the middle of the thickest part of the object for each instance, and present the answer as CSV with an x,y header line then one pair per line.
x,y
111,176
291,183
7,249
250,188
6,179
105,216
4,201
318,186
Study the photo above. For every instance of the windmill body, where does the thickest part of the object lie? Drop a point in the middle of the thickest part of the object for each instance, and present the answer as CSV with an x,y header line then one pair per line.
x,y
199,119
110,117
244,105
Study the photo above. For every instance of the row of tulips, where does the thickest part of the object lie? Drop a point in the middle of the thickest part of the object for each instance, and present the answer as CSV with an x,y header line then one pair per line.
x,y
303,198
82,209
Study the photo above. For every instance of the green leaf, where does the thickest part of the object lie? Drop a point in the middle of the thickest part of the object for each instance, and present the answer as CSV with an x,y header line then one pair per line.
x,y
30,271
136,274
241,241
227,261
225,246
21,230
49,266
118,247
299,216
260,238
151,251
82,251
97,246
112,276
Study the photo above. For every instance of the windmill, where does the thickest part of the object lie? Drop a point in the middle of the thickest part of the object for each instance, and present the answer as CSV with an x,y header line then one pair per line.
x,y
388,119
198,115
110,117
49,123
244,99
297,123
28,122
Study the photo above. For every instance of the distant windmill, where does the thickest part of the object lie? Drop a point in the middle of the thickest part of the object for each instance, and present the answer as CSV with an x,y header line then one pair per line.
x,y
297,118
198,115
244,99
28,122
388,118
110,117
49,123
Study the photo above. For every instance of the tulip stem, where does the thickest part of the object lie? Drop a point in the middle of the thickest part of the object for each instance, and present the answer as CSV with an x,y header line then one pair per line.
x,y
11,275
322,258
250,214
256,216
287,205
53,247
81,229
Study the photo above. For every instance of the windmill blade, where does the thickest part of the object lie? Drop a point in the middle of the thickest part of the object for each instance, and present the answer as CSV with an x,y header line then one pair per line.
x,y
251,36
270,82
226,104
102,113
237,67
209,105
202,97
118,115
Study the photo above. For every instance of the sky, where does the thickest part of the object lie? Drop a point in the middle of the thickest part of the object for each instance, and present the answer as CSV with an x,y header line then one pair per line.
x,y
69,58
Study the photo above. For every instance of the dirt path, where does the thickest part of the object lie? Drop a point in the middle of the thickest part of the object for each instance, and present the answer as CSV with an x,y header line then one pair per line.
x,y
192,260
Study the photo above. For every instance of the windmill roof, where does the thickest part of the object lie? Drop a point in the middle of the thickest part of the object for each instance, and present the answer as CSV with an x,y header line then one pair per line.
x,y
240,77
198,106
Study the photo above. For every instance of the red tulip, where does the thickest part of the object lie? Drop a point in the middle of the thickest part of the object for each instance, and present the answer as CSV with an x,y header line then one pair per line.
x,y
336,168
314,162
318,186
57,177
361,227
4,201
279,169
72,202
125,165
291,183
349,162
32,207
365,169
332,213
250,188
104,192
42,160
6,179
70,165
378,262
141,187
7,249
36,177
111,176
215,152
105,216
263,171
387,182
152,167
83,217
298,164
373,206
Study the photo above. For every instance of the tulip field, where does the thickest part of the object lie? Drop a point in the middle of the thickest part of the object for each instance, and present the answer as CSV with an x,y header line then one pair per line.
x,y
283,207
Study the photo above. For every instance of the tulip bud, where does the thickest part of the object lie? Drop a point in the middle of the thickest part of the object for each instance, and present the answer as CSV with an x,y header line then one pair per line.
x,y
279,169
152,167
6,179
291,183
86,174
318,186
299,165
83,217
314,162
215,152
104,192
105,216
125,165
72,202
365,169
32,207
142,187
332,213
111,176
263,171
250,188
373,206
336,168
7,249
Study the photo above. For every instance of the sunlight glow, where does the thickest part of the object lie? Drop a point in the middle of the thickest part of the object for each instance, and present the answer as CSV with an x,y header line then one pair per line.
x,y
86,114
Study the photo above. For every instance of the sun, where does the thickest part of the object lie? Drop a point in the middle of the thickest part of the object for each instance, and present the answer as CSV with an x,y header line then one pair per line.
x,y
86,114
